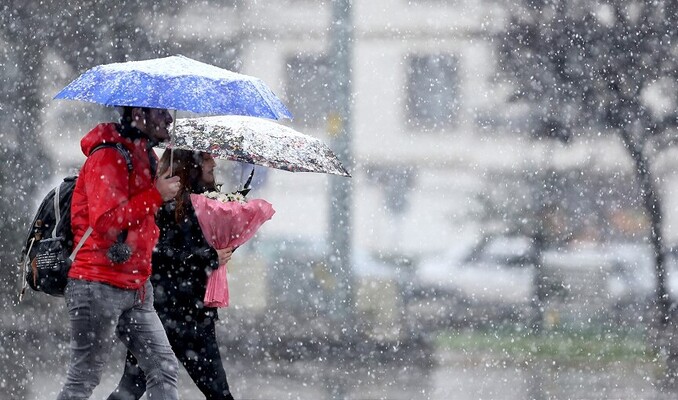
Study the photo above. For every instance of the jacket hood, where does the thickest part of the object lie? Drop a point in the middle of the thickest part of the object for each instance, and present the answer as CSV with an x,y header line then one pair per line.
x,y
102,133
109,132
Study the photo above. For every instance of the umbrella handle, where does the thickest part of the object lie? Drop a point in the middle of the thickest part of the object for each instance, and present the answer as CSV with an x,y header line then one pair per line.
x,y
174,129
249,180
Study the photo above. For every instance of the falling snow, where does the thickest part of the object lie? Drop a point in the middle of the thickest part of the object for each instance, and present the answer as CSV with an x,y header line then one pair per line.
x,y
484,203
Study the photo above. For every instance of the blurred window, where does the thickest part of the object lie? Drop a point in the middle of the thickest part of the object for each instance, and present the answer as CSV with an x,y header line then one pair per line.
x,y
509,251
308,88
220,3
432,91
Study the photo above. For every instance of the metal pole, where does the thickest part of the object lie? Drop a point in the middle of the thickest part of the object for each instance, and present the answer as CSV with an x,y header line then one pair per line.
x,y
174,130
339,127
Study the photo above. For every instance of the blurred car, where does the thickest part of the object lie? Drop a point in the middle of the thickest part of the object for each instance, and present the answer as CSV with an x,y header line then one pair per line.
x,y
477,280
494,280
619,276
632,279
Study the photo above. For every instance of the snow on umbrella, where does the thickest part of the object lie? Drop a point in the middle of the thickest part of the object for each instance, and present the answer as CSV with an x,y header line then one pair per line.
x,y
176,83
256,141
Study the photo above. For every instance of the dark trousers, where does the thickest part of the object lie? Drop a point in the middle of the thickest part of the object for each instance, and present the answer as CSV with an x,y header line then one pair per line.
x,y
195,345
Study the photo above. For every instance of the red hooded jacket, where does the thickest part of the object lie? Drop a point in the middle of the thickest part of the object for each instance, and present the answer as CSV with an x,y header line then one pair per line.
x,y
110,199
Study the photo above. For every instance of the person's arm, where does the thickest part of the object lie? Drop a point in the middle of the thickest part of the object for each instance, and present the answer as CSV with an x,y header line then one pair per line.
x,y
206,256
211,257
200,251
111,209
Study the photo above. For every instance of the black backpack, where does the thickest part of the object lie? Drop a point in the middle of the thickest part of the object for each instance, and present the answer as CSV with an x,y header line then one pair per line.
x,y
48,250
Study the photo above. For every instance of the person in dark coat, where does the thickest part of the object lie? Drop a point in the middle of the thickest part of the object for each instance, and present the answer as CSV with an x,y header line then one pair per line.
x,y
182,261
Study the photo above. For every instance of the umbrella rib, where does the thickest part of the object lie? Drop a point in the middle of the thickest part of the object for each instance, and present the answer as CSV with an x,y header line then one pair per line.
x,y
264,94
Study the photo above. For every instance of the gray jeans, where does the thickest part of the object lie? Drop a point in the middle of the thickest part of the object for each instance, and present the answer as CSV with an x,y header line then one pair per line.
x,y
95,311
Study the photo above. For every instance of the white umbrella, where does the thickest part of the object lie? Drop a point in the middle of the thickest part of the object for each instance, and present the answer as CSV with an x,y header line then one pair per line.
x,y
256,141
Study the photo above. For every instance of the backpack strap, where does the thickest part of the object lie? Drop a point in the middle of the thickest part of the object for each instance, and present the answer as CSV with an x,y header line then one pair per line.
x,y
80,243
121,149
57,209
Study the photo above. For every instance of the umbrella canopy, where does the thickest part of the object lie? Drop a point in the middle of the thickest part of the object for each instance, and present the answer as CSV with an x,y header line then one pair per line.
x,y
176,83
256,141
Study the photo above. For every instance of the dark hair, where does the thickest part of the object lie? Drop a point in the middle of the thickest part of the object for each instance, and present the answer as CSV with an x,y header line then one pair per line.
x,y
187,166
126,118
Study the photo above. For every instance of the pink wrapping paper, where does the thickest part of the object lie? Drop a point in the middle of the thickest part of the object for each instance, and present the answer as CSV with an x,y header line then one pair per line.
x,y
227,224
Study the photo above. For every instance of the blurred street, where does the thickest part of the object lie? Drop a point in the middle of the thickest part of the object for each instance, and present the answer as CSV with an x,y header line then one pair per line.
x,y
456,376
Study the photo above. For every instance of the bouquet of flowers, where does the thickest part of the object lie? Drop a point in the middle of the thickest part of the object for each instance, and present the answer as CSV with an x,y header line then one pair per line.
x,y
227,220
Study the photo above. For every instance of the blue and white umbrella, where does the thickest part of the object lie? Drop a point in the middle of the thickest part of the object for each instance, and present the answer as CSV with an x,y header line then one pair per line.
x,y
176,83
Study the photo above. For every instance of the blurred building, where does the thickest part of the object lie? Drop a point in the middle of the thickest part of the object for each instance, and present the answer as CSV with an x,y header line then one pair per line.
x,y
432,129
424,105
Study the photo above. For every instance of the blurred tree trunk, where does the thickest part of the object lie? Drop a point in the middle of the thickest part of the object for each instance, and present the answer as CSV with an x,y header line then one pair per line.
x,y
663,331
653,208
590,67
539,286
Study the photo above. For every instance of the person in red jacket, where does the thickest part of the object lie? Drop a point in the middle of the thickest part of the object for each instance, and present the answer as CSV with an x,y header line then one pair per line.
x,y
110,290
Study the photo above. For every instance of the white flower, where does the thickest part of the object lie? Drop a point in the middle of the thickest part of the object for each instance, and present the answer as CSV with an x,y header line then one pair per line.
x,y
236,196
226,197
